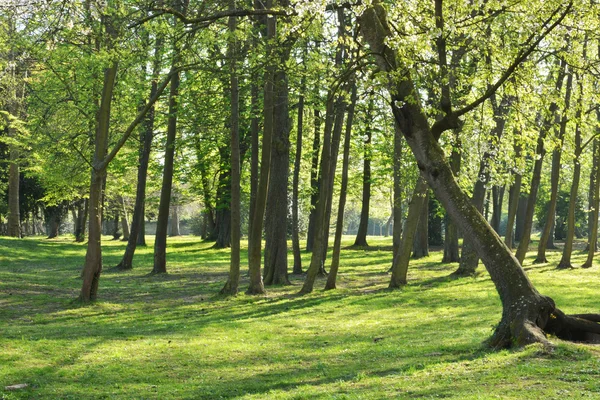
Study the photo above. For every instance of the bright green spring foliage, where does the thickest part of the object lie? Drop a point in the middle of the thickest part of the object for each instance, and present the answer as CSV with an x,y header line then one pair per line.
x,y
172,337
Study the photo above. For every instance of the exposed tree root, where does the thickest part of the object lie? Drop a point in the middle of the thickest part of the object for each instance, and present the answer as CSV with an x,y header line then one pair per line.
x,y
540,261
530,321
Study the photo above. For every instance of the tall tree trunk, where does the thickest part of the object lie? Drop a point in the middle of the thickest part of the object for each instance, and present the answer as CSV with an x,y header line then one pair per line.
x,y
402,258
314,180
339,227
361,236
232,284
93,258
397,201
297,269
160,241
276,265
554,178
537,170
421,240
256,285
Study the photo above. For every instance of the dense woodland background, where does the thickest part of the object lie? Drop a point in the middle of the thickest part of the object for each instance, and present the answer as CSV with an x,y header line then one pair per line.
x,y
296,120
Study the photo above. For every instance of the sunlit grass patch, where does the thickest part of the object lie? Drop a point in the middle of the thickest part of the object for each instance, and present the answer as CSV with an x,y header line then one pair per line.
x,y
173,336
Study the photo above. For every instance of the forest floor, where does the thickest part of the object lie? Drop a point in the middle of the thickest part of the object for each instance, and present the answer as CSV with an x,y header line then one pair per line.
x,y
174,337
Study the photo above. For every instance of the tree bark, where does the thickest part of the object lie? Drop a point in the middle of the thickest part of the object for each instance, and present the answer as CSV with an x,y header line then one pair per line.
x,y
361,236
276,265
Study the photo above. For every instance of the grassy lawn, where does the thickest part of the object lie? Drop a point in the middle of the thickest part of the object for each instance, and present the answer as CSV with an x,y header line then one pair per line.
x,y
173,337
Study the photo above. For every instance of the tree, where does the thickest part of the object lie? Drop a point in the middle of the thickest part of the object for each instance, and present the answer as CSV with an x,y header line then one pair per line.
x,y
231,286
526,313
361,236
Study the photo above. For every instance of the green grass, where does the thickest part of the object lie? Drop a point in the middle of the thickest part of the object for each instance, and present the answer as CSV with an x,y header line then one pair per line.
x,y
173,337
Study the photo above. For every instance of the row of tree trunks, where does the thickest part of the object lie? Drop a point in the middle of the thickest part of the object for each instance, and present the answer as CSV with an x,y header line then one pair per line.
x,y
469,260
334,123
537,169
137,232
555,176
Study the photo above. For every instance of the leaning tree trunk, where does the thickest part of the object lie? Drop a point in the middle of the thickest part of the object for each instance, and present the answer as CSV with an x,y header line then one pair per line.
x,y
401,260
339,227
525,312
554,178
361,236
